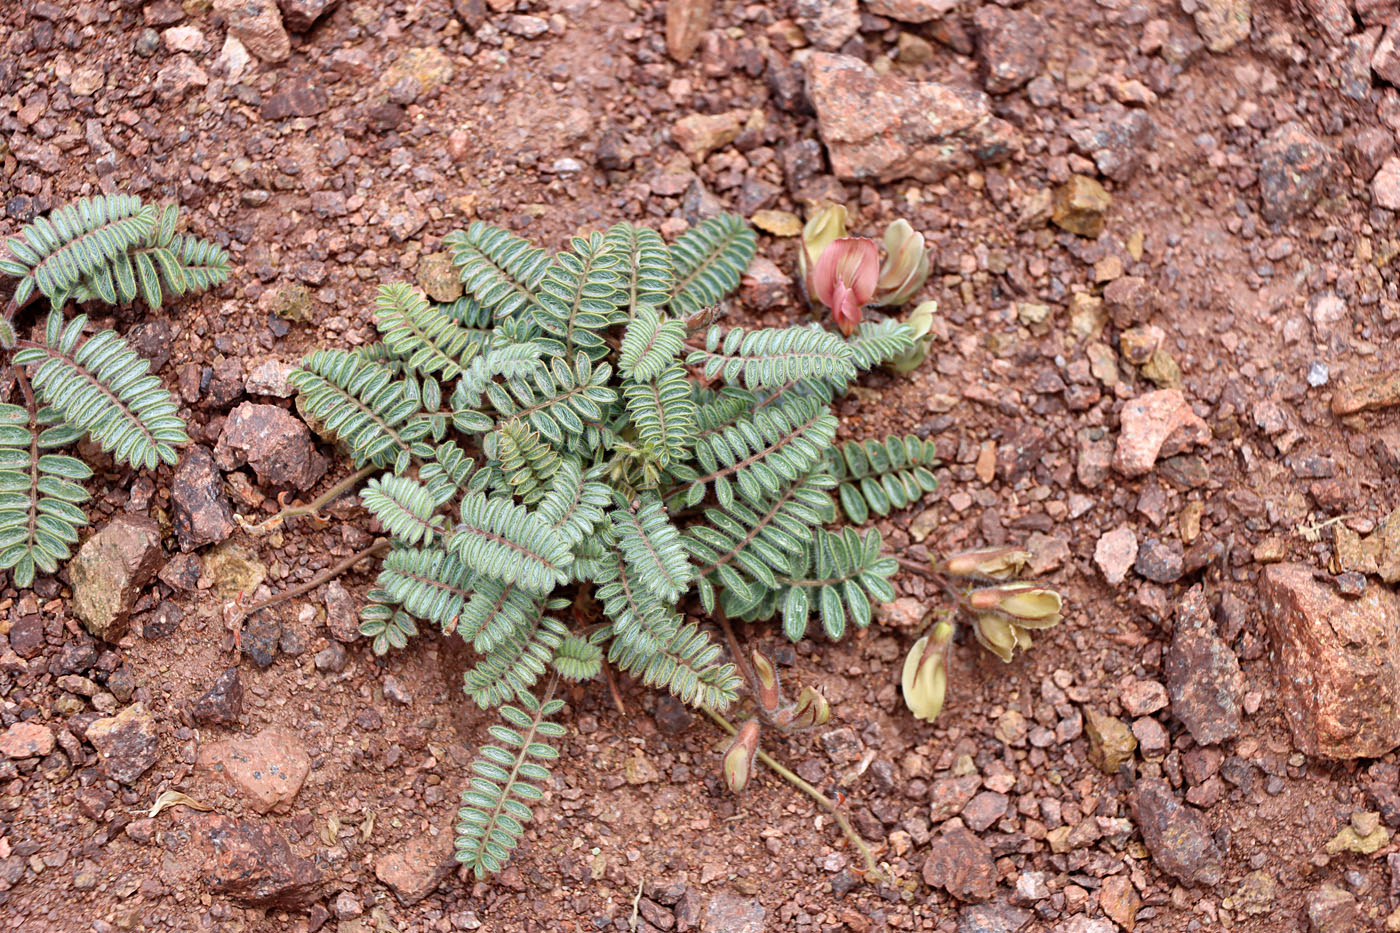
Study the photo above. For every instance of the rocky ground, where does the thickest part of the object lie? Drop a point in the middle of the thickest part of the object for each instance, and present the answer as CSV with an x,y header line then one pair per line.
x,y
1163,241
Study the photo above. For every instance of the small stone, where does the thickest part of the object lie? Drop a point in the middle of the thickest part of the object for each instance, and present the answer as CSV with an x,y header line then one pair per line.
x,y
251,862
700,134
671,715
911,11
1294,166
1119,901
1011,46
178,77
1115,553
1178,839
765,285
1385,60
1159,423
347,906
1334,910
180,39
1143,698
27,740
438,277
110,570
948,796
275,444
829,24
414,871
202,513
1382,391
299,97
1080,206
233,570
341,616
395,692
424,68
883,128
1118,139
1385,187
1222,23
984,810
994,917
526,26
1364,840
1336,662
301,15
222,703
1111,742
1256,893
1160,561
126,743
258,25
269,768
270,378
331,659
1203,674
961,864
638,770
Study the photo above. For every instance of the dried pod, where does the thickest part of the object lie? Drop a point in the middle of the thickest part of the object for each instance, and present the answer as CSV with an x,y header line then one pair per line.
x,y
739,757
810,711
906,265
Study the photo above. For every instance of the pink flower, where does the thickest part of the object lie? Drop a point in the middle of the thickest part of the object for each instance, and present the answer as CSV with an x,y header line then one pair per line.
x,y
844,279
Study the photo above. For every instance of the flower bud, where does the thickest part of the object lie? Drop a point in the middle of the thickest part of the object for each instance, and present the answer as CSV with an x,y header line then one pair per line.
x,y
769,696
844,279
996,563
811,710
821,230
920,321
925,675
997,634
906,265
738,758
1027,604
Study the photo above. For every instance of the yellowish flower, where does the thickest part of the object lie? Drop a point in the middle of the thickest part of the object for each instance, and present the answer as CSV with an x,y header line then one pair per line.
x,y
906,265
925,676
920,320
995,563
821,230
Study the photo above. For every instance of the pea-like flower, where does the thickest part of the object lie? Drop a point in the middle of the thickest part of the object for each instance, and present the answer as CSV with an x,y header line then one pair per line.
x,y
906,265
990,563
739,757
844,279
925,675
1029,605
821,230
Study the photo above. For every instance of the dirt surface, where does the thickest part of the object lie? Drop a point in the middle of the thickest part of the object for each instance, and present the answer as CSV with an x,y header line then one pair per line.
x,y
336,169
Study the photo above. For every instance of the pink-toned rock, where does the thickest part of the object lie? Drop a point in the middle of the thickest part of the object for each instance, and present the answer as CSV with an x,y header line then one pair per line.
x,y
1337,663
1157,424
1385,60
27,740
415,870
269,767
277,445
1115,554
252,863
1385,187
110,570
258,25
882,127
911,11
700,134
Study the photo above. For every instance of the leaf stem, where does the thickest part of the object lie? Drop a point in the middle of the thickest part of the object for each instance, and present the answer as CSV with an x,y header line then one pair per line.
x,y
378,547
872,868
311,508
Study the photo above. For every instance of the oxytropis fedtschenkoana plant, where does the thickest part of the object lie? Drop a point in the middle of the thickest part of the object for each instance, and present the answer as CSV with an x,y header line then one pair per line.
x,y
110,250
578,451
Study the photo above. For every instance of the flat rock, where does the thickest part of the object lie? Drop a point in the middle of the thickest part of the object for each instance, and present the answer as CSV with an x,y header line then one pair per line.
x,y
1115,553
251,862
1203,675
1385,60
961,864
1334,910
1118,139
730,913
269,768
1294,166
882,127
438,277
299,97
1382,391
110,570
1179,840
700,134
203,514
414,871
1159,423
222,703
1385,186
948,795
257,24
1336,662
829,24
276,444
994,917
27,740
911,11
126,743
341,617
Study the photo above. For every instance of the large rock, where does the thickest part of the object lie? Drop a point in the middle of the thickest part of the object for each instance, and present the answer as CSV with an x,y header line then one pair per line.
x,y
301,15
269,768
252,863
1203,674
202,511
881,128
258,25
110,570
1337,663
1179,840
275,444
126,743
1159,423
1294,166
415,870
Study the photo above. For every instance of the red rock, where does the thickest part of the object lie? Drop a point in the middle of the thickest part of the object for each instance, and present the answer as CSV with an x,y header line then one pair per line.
x,y
962,865
1385,61
275,444
882,128
911,11
301,15
1294,165
700,134
252,863
269,767
27,740
414,871
1385,187
1179,840
222,703
1336,661
1011,46
829,24
1158,423
202,511
110,570
258,25
126,743
1115,553
1203,674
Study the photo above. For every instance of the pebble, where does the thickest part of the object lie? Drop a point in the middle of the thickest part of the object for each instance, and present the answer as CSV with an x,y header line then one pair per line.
x,y
275,444
993,917
251,862
1148,422
110,570
1334,910
984,810
911,11
1178,839
298,97
1294,167
395,692
331,659
301,15
1011,46
1381,391
884,128
1160,561
126,743
202,512
1143,698
700,134
1080,206
27,740
222,703
961,864
414,871
1203,675
1222,23
1111,742
1117,139
829,24
341,616
1115,554
257,24
1385,186
269,767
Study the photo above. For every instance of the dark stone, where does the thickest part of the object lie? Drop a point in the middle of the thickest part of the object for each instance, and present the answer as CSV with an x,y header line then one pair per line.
x,y
252,863
1366,149
165,620
301,15
225,384
299,98
77,657
1203,675
672,716
126,742
203,514
472,13
27,636
277,445
382,118
261,639
1160,561
153,340
1179,840
222,703
961,864
1118,140
110,570
1294,166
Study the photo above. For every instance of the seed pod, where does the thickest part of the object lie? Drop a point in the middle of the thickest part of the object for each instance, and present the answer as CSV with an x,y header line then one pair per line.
x,y
738,758
811,710
995,563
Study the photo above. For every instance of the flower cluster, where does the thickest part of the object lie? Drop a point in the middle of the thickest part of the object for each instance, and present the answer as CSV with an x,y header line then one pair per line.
x,y
844,273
